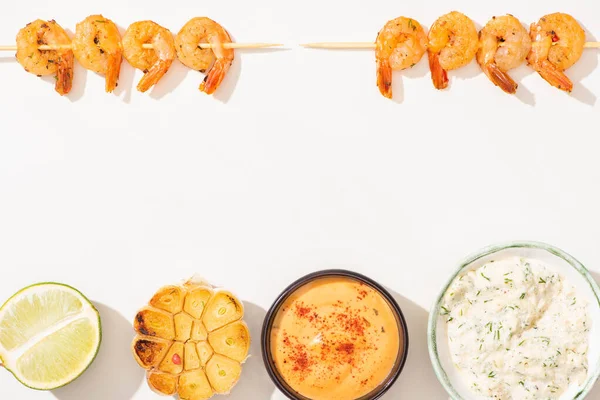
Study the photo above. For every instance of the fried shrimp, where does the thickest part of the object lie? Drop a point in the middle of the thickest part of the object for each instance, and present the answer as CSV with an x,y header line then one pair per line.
x,y
558,42
453,43
215,60
399,45
155,62
46,62
97,46
504,45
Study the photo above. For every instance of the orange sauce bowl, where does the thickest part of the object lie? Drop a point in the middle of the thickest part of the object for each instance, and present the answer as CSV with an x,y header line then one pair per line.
x,y
334,335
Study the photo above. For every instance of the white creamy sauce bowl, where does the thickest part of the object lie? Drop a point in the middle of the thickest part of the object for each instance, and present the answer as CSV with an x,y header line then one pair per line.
x,y
557,261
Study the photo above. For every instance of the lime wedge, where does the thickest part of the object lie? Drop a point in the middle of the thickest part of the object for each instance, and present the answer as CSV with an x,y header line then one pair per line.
x,y
49,334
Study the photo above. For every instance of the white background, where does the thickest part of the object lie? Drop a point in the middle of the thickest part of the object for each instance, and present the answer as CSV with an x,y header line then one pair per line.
x,y
297,164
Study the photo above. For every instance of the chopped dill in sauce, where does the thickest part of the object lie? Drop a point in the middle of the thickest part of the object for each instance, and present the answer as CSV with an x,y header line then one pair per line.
x,y
516,330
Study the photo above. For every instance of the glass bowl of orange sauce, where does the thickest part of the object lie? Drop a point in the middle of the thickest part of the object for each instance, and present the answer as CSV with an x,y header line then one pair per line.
x,y
334,335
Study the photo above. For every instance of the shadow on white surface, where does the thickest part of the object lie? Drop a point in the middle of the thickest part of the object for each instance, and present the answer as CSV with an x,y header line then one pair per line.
x,y
50,80
114,374
225,90
523,93
172,79
79,82
254,383
584,67
469,71
229,84
420,70
417,380
125,83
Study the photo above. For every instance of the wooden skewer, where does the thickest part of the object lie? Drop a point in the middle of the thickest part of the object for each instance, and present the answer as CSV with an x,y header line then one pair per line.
x,y
242,45
367,45
340,45
149,46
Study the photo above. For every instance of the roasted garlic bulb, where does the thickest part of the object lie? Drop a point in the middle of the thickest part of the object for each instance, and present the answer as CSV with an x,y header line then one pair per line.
x,y
191,340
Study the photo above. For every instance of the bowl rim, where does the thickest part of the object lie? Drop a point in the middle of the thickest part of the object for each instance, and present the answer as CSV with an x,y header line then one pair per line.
x,y
433,314
272,312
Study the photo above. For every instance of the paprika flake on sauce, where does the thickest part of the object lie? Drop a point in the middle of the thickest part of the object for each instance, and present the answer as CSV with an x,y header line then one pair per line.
x,y
335,338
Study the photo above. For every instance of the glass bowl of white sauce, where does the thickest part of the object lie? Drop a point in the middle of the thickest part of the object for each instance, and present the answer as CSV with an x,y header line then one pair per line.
x,y
519,320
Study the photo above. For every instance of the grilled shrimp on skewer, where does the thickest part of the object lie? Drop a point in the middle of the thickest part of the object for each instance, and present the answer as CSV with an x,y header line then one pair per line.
x,y
558,42
453,43
155,62
214,61
46,62
97,46
399,45
504,45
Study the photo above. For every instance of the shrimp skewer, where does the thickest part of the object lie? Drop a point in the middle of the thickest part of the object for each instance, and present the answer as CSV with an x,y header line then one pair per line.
x,y
59,62
357,45
232,45
400,44
97,46
558,42
215,61
154,62
453,43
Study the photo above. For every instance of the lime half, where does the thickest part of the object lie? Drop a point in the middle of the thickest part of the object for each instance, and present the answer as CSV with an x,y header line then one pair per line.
x,y
49,334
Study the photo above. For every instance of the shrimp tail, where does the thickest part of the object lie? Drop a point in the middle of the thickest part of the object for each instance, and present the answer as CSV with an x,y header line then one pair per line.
x,y
64,73
154,74
439,75
384,78
215,76
112,72
500,78
554,76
